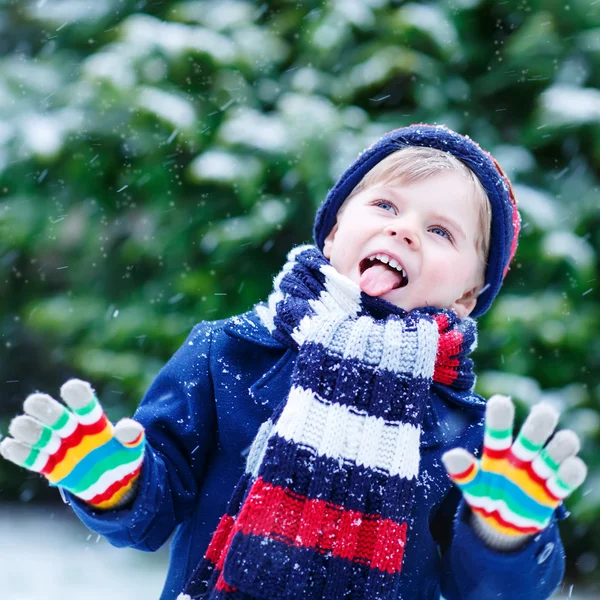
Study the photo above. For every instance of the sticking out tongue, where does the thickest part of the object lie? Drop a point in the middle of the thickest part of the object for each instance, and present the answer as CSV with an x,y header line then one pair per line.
x,y
379,279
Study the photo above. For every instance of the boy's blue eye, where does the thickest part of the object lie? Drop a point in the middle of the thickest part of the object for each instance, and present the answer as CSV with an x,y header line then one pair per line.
x,y
386,205
441,231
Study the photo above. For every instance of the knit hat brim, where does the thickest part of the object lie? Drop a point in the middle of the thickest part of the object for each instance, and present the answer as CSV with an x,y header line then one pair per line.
x,y
505,222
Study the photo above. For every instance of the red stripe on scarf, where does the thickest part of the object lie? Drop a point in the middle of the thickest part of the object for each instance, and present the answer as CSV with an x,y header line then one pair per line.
x,y
449,345
296,520
223,586
218,542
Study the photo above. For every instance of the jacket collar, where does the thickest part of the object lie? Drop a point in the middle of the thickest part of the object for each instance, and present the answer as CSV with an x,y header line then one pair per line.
x,y
249,328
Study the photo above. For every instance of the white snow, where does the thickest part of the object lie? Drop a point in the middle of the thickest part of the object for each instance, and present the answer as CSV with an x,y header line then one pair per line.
x,y
259,48
7,97
143,33
354,117
264,217
309,115
216,14
272,211
58,12
220,166
169,107
509,384
431,19
357,12
24,74
7,131
48,554
112,65
307,80
567,245
585,422
155,69
529,309
256,130
226,13
330,32
42,135
514,159
568,105
539,207
375,68
467,4
349,144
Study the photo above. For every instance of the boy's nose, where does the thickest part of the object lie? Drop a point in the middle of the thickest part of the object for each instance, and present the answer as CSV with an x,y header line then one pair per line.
x,y
404,234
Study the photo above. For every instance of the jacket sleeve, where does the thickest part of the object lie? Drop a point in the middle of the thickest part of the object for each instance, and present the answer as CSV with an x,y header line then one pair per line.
x,y
179,415
473,571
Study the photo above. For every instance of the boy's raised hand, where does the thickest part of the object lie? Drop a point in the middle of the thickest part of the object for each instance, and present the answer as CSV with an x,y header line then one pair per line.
x,y
515,487
76,447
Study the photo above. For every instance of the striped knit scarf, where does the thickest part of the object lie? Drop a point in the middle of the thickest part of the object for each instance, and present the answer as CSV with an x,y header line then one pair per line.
x,y
323,508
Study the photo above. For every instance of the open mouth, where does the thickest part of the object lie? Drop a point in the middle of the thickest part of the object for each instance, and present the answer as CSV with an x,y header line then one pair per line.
x,y
380,273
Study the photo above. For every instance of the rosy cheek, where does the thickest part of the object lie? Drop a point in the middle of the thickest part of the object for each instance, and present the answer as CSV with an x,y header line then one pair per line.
x,y
442,268
438,274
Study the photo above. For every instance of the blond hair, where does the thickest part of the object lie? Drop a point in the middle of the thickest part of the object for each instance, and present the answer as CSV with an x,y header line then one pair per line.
x,y
415,163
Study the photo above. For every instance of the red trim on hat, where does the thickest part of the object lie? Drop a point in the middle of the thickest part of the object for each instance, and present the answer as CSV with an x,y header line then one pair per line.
x,y
516,217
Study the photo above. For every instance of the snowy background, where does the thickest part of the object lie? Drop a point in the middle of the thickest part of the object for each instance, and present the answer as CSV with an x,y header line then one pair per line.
x,y
50,555
47,554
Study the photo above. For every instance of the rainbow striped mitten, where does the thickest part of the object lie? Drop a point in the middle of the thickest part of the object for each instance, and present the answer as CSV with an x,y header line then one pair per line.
x,y
77,448
515,488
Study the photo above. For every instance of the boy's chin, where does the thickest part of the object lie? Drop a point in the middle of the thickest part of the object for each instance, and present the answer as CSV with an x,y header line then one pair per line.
x,y
407,304
393,297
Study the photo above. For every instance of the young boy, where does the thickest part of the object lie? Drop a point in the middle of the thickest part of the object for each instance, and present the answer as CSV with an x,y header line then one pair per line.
x,y
356,377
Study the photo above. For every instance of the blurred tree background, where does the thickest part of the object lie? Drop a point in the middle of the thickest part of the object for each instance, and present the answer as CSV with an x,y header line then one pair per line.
x,y
158,160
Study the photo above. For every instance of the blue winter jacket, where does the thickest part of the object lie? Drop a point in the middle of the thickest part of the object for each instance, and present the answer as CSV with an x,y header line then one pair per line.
x,y
201,414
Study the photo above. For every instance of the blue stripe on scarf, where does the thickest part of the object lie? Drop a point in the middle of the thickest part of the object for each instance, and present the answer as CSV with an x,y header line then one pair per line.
x,y
345,484
262,566
351,382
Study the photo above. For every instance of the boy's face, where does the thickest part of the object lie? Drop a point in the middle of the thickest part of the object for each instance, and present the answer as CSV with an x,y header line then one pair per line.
x,y
428,228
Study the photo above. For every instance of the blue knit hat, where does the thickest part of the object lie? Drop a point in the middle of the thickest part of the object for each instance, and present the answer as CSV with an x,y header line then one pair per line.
x,y
505,217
